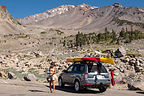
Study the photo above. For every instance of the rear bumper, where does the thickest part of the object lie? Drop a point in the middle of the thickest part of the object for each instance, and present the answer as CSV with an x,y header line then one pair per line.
x,y
96,84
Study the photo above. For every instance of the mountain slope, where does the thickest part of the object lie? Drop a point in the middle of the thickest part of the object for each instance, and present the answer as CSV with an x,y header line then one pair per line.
x,y
87,18
8,25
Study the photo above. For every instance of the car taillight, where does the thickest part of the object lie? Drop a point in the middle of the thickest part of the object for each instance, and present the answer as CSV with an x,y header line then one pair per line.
x,y
85,75
108,83
87,84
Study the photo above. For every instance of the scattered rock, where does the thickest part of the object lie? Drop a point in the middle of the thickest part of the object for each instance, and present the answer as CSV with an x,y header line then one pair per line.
x,y
137,69
30,77
123,81
132,62
2,74
120,52
11,75
123,59
116,74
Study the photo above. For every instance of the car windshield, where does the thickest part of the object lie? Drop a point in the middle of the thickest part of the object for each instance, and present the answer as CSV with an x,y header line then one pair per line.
x,y
96,67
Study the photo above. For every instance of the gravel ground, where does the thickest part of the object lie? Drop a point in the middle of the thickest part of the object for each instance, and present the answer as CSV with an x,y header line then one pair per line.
x,y
22,88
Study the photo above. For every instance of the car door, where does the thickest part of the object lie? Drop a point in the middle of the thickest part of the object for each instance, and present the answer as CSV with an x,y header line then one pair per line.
x,y
72,74
77,70
67,75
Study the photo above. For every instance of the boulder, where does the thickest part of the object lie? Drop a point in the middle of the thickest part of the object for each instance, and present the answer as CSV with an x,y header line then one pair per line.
x,y
136,86
11,75
120,52
132,62
128,67
141,60
137,63
2,74
123,81
36,54
116,74
123,59
138,69
30,77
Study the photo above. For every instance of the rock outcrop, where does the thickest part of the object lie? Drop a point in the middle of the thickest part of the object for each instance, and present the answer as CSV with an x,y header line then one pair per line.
x,y
136,86
8,24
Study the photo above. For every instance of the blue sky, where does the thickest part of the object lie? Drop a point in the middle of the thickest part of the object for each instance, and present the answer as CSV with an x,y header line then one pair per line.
x,y
23,8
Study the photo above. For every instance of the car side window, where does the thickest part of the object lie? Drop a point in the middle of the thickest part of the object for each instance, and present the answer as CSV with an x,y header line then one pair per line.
x,y
80,68
75,68
70,69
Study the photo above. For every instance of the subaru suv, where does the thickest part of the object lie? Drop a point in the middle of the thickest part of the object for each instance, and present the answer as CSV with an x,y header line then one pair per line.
x,y
84,75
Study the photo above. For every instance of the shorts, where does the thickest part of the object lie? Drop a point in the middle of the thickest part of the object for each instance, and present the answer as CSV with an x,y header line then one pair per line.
x,y
51,78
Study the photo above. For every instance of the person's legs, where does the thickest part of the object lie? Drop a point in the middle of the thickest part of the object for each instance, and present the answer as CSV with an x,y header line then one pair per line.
x,y
50,86
53,81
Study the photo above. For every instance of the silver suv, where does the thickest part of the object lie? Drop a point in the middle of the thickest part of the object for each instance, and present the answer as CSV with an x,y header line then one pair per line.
x,y
83,75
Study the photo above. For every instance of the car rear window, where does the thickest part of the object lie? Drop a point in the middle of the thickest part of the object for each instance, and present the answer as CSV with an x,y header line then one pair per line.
x,y
96,68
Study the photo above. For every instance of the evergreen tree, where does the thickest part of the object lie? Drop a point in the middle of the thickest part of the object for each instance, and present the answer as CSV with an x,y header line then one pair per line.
x,y
114,36
118,41
122,33
77,38
106,30
99,36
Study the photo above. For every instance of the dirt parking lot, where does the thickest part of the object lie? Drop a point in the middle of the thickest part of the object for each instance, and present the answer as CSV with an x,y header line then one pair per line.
x,y
22,88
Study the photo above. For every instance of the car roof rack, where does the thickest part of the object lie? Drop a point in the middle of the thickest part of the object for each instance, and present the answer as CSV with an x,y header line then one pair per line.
x,y
100,59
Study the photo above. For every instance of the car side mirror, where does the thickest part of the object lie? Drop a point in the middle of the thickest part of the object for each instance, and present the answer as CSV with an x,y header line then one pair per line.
x,y
65,71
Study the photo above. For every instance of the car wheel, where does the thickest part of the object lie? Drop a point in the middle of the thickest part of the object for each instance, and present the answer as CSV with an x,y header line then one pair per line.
x,y
77,86
102,89
61,84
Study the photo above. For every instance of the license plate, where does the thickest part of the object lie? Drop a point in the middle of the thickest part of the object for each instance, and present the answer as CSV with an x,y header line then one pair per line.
x,y
100,77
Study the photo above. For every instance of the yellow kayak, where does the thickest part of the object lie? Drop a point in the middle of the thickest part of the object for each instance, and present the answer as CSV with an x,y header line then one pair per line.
x,y
104,60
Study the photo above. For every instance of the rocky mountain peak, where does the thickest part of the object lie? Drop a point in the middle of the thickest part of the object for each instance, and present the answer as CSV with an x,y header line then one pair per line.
x,y
59,10
7,23
3,11
88,18
84,5
4,14
141,10
117,5
49,13
3,7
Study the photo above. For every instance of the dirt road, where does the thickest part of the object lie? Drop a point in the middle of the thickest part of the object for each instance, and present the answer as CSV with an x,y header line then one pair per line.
x,y
21,88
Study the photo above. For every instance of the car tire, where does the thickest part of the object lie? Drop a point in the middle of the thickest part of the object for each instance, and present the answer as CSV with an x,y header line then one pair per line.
x,y
60,82
102,89
77,86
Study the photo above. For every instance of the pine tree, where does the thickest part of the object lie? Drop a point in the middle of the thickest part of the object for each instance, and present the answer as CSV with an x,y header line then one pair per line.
x,y
106,30
113,36
122,33
118,41
99,36
77,38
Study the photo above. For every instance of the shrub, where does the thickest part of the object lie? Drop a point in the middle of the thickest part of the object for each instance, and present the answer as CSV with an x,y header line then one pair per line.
x,y
43,32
